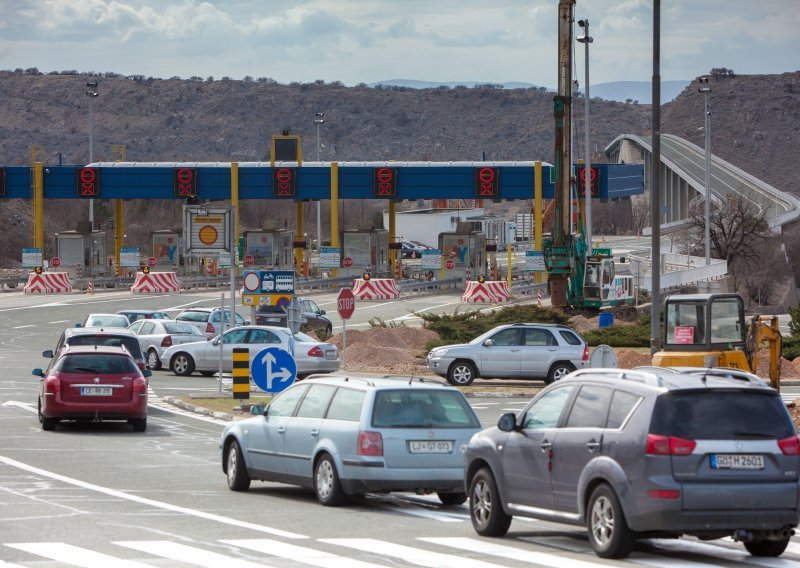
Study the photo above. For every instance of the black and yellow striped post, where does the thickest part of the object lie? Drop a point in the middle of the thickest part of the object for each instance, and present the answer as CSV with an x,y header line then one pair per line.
x,y
241,372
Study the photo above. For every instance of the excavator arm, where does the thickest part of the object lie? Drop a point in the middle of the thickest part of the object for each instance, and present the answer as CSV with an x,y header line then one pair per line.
x,y
765,329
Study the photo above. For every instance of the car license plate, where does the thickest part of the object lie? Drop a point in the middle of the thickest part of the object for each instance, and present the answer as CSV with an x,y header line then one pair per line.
x,y
430,446
272,319
330,354
96,391
737,461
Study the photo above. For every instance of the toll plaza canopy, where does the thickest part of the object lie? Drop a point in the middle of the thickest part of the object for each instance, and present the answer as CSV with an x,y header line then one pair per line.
x,y
311,181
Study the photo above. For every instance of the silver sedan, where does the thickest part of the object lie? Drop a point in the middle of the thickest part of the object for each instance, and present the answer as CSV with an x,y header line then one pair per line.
x,y
156,335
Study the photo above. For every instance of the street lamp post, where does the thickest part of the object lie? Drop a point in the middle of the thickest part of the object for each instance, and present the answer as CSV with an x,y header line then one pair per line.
x,y
318,120
587,168
706,90
91,92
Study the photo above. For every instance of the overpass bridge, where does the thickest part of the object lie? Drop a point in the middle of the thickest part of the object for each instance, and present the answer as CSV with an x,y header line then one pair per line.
x,y
683,180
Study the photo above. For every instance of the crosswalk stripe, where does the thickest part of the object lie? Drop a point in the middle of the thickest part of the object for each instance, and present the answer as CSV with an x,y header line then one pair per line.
x,y
508,552
300,553
409,554
718,552
188,554
75,555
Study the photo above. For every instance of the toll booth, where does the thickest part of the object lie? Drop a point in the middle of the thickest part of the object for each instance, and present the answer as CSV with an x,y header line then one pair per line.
x,y
365,250
463,253
167,249
270,248
87,250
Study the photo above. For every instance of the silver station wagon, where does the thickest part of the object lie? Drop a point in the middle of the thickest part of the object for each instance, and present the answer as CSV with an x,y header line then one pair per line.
x,y
344,436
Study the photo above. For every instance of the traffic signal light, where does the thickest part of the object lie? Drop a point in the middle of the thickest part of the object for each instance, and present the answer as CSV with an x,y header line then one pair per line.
x,y
88,182
594,183
384,182
284,182
486,182
184,182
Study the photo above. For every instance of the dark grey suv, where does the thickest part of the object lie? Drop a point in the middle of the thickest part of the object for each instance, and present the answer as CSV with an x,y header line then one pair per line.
x,y
637,454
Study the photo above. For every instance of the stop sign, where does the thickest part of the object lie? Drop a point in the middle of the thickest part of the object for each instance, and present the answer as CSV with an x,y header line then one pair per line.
x,y
248,259
347,262
450,264
151,262
346,303
55,262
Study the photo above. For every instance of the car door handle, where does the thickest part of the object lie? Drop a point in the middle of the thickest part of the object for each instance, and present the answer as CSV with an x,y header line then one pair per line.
x,y
546,446
592,446
281,429
314,432
515,350
553,349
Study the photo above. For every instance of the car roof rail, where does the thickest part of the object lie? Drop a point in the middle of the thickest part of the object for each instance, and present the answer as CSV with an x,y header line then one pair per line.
x,y
419,379
645,377
725,373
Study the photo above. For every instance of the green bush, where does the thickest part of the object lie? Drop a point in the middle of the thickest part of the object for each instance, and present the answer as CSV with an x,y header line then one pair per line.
x,y
790,347
620,336
794,323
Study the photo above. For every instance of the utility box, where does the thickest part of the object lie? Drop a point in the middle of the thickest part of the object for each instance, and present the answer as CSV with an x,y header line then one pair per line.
x,y
167,249
365,250
270,248
87,250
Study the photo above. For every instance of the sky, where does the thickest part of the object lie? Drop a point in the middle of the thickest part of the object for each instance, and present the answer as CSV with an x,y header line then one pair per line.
x,y
368,41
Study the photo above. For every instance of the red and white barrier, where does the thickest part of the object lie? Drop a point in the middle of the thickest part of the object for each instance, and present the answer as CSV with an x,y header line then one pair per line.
x,y
491,292
375,289
156,283
48,283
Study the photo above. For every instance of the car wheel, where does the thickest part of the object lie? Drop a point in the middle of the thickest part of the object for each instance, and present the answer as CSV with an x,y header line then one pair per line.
x,y
326,482
767,547
328,331
485,509
39,410
153,362
558,372
49,423
609,534
461,373
182,365
139,424
238,478
452,498
208,373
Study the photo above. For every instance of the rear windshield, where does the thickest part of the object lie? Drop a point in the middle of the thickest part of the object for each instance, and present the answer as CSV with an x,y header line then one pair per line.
x,y
179,327
107,321
422,409
130,343
715,415
97,364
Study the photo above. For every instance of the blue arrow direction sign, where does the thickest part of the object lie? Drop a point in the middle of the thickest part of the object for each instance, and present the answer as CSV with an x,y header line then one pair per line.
x,y
273,369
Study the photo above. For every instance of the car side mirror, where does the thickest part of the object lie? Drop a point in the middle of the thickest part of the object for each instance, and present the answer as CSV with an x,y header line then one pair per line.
x,y
147,373
246,322
507,422
489,342
38,372
77,325
322,312
215,341
48,353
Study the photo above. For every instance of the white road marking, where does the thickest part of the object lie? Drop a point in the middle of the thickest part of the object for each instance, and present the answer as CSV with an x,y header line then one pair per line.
x,y
23,405
149,502
76,556
410,554
23,326
300,553
188,554
510,553
59,321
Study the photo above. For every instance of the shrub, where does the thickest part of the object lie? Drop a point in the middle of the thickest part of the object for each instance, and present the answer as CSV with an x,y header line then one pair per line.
x,y
790,347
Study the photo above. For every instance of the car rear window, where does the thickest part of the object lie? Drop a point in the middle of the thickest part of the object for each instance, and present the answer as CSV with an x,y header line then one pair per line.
x,y
422,409
570,337
179,327
715,415
130,343
193,316
97,364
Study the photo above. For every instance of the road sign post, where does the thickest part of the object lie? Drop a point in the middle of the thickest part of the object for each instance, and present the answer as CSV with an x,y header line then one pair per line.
x,y
345,305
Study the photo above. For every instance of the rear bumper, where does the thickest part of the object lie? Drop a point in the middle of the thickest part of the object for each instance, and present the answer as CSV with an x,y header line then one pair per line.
x,y
57,408
698,522
318,365
377,478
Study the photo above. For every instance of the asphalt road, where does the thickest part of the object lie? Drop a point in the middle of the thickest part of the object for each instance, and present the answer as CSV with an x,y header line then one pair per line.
x,y
102,496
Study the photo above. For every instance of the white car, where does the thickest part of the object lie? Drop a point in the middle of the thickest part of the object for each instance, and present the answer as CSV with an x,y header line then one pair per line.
x,y
203,356
157,335
208,320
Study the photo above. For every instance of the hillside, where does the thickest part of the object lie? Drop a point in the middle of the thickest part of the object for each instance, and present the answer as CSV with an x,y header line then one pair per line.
x,y
755,127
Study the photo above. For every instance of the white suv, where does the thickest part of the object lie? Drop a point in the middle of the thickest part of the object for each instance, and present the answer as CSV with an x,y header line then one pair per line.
x,y
208,320
519,350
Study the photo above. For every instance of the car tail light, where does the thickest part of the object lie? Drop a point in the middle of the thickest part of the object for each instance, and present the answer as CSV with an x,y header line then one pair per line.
x,y
370,444
52,385
790,446
664,494
669,446
316,352
209,328
139,386
585,352
141,364
167,341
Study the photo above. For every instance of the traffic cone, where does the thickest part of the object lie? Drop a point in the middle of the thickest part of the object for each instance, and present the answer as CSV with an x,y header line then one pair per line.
x,y
89,287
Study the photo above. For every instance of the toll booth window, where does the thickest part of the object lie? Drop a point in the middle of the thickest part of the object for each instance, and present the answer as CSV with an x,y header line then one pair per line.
x,y
727,321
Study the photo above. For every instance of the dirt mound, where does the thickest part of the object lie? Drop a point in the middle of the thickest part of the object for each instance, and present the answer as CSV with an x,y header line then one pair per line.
x,y
583,324
628,359
388,350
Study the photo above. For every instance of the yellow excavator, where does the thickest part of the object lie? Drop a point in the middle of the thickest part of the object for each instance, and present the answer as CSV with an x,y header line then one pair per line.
x,y
708,330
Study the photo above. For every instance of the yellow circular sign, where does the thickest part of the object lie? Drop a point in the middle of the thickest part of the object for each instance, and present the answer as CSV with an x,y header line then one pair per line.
x,y
208,235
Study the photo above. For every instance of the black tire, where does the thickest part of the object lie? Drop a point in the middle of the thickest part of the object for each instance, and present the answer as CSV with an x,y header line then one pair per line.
x,y
236,468
485,509
139,424
608,531
39,409
208,373
153,361
767,548
326,482
182,364
461,373
452,498
558,371
49,424
328,331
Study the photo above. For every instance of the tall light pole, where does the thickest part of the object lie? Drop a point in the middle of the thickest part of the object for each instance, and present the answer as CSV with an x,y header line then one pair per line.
x,y
91,92
706,90
318,120
587,168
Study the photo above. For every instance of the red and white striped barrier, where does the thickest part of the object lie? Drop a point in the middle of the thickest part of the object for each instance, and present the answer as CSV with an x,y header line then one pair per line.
x,y
375,289
491,292
156,283
48,283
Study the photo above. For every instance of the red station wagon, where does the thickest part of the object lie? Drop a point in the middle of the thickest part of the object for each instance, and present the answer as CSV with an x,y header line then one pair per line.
x,y
93,383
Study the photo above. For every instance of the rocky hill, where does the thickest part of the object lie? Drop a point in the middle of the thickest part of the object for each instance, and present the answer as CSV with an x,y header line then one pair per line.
x,y
756,122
